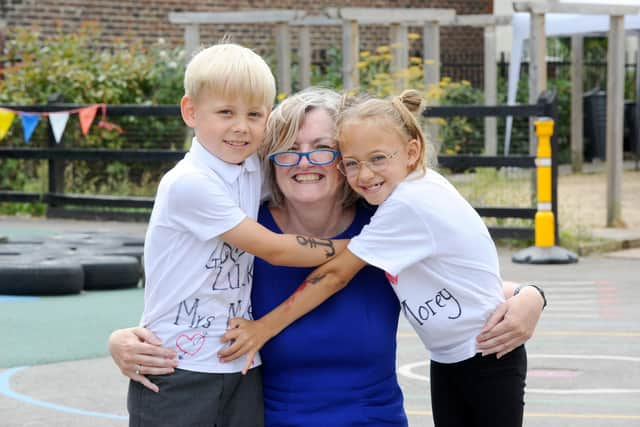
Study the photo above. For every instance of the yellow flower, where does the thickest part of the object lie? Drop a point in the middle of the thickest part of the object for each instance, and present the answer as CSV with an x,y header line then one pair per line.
x,y
365,54
382,49
386,57
413,36
362,64
465,82
281,96
415,60
430,61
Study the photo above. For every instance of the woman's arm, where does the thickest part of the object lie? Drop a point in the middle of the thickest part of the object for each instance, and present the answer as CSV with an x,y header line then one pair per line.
x,y
513,322
282,249
137,351
249,336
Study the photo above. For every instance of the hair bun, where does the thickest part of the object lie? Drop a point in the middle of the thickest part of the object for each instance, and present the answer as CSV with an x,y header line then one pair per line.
x,y
411,99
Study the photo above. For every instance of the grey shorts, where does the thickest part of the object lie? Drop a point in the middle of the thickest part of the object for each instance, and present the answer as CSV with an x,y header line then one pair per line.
x,y
196,399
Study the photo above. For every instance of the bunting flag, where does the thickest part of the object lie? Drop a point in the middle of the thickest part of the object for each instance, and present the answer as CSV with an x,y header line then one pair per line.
x,y
58,124
29,123
86,116
57,119
6,118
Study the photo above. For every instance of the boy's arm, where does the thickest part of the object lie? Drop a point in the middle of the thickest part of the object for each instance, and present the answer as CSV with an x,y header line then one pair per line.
x,y
282,249
249,336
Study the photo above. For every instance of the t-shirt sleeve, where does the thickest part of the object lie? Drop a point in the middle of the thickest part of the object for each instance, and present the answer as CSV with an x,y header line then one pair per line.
x,y
396,238
203,206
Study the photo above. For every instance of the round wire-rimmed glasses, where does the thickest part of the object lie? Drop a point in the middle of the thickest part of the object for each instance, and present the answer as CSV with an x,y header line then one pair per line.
x,y
376,163
319,157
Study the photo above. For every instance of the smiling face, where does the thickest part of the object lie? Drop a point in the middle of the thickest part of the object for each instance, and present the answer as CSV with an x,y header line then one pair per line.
x,y
230,129
307,183
368,141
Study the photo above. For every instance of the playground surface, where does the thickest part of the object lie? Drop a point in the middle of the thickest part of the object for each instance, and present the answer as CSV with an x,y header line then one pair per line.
x,y
584,360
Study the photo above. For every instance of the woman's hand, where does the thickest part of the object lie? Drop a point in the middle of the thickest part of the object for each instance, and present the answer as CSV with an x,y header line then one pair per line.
x,y
245,337
138,352
512,324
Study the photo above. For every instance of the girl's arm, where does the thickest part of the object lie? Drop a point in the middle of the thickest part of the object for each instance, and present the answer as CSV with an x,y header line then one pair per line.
x,y
282,249
249,336
513,322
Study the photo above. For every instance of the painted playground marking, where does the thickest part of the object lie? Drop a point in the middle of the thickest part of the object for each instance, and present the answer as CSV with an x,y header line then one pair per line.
x,y
5,389
407,371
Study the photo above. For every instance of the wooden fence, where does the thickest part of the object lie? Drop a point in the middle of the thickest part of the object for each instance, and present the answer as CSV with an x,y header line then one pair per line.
x,y
58,201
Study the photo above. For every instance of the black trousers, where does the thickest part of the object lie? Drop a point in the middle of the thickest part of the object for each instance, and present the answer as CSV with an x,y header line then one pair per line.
x,y
196,399
479,392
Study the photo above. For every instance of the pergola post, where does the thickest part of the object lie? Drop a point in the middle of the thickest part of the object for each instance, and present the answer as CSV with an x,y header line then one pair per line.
x,y
350,54
304,56
400,55
490,90
615,119
431,53
283,57
537,69
577,114
191,39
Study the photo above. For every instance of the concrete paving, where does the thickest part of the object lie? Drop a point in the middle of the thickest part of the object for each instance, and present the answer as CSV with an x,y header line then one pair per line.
x,y
584,360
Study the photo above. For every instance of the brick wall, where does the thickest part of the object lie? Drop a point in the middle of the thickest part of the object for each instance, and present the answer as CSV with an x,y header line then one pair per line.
x,y
148,20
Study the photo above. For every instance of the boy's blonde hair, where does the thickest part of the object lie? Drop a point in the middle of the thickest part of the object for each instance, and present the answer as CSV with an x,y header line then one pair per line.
x,y
282,130
231,71
398,112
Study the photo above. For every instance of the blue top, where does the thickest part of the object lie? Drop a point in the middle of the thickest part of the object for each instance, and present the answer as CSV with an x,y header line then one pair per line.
x,y
336,366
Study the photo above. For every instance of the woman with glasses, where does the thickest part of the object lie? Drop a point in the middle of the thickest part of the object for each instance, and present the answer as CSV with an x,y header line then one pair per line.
x,y
337,365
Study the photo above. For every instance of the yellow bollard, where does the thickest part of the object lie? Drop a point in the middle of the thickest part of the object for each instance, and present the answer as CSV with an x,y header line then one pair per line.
x,y
544,219
545,250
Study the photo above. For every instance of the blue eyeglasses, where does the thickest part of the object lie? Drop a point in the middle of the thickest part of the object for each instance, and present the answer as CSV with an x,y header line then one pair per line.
x,y
319,157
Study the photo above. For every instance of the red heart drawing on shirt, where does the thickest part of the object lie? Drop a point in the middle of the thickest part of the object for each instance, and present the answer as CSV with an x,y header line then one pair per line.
x,y
190,344
392,279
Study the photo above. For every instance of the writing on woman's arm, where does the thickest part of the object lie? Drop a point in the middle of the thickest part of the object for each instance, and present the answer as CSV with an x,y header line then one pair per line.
x,y
314,243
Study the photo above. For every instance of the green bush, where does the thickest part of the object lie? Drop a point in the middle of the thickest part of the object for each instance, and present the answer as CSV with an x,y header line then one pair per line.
x,y
74,66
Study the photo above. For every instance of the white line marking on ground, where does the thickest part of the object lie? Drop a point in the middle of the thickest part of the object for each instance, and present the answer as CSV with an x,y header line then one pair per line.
x,y
5,389
407,371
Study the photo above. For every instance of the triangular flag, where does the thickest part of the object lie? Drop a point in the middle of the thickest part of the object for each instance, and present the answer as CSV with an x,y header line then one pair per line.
x,y
29,123
86,116
58,123
6,118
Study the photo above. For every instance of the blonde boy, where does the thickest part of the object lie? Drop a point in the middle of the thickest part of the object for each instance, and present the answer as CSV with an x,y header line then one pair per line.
x,y
199,245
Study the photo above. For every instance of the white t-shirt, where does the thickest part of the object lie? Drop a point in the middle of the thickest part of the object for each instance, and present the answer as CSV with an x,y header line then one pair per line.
x,y
195,282
440,261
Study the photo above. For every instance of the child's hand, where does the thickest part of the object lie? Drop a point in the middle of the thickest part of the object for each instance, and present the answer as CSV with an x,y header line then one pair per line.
x,y
246,337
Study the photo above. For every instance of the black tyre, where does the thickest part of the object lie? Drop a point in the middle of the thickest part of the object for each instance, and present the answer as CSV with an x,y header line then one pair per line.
x,y
30,275
109,272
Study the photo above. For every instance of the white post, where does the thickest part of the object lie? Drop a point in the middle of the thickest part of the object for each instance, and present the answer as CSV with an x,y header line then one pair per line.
x,y
191,40
577,114
537,69
490,89
304,56
350,53
615,119
431,53
400,55
283,57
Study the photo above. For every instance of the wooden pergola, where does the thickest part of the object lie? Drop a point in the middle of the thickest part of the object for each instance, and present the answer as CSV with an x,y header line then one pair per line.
x,y
615,83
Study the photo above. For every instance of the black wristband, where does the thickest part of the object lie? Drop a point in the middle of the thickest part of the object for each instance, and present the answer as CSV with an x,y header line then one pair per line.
x,y
517,290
